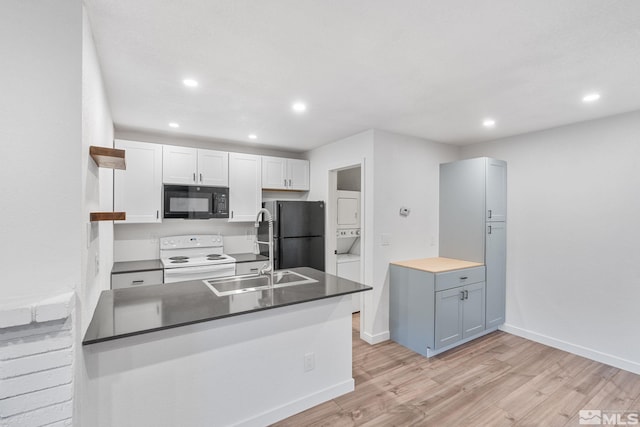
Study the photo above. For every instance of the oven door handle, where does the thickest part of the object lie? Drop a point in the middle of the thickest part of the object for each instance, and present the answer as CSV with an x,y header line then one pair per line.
x,y
202,268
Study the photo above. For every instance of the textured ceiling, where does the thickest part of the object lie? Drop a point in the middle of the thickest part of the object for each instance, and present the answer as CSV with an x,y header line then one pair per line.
x,y
432,69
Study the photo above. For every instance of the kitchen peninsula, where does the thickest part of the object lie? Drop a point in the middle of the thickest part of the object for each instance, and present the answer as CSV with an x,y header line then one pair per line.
x,y
178,354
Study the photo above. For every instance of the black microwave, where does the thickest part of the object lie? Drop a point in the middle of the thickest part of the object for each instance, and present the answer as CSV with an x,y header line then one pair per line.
x,y
195,202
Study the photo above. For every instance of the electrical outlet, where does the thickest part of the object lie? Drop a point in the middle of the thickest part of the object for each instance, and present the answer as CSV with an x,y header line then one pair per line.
x,y
385,239
309,362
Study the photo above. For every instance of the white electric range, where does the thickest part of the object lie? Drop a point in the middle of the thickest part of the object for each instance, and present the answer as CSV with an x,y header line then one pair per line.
x,y
194,257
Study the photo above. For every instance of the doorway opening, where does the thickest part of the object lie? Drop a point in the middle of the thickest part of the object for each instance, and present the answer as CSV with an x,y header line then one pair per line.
x,y
345,227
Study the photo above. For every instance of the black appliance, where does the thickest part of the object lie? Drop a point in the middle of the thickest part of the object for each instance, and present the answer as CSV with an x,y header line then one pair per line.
x,y
298,234
195,202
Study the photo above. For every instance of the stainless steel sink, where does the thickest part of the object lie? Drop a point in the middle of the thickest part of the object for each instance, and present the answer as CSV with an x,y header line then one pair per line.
x,y
239,284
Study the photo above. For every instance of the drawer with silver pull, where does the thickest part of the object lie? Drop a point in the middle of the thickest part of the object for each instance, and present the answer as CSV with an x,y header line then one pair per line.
x,y
465,276
249,267
141,278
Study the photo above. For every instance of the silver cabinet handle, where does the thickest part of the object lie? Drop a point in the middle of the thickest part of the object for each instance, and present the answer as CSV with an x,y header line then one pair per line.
x,y
254,269
490,213
194,177
137,282
231,214
200,178
461,295
157,214
489,229
285,182
289,183
464,278
466,294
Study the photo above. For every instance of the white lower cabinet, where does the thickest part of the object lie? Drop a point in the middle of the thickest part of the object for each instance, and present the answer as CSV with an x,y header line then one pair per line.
x,y
252,267
140,278
245,191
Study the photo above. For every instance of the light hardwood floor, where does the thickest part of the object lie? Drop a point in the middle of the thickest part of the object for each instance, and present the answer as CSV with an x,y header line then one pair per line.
x,y
497,380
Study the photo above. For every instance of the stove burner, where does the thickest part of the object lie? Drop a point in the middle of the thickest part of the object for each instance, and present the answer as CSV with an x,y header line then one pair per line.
x,y
212,257
178,258
179,261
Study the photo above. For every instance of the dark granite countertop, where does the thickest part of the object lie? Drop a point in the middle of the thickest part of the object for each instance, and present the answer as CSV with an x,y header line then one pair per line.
x,y
248,257
136,266
132,311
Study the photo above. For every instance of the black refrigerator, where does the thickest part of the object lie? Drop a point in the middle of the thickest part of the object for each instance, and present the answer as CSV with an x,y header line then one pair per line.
x,y
298,234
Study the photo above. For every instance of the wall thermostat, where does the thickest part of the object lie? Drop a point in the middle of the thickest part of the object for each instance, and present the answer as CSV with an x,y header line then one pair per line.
x,y
405,211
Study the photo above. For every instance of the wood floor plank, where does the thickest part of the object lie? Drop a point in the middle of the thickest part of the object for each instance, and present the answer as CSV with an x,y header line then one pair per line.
x,y
497,380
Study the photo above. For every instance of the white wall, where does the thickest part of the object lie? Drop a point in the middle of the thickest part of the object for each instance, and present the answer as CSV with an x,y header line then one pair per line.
x,y
399,171
97,183
40,130
573,230
97,195
354,150
406,175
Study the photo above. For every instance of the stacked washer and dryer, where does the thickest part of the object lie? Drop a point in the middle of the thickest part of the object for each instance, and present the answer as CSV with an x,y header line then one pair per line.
x,y
348,238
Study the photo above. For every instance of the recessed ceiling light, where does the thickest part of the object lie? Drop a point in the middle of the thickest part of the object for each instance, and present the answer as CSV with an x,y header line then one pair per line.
x,y
591,97
174,125
190,83
489,123
299,107
253,136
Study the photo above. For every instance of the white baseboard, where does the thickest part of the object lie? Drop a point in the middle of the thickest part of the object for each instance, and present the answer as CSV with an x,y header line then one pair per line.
x,y
299,405
589,353
375,339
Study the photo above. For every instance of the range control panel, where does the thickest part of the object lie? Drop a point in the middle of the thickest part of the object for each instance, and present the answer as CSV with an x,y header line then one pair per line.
x,y
351,232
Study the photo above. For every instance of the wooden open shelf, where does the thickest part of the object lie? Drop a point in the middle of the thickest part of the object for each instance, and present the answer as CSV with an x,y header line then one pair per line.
x,y
108,216
106,157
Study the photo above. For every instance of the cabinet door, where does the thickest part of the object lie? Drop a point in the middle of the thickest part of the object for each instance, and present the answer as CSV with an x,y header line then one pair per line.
x,y
245,194
298,174
495,260
473,310
213,168
138,189
274,171
448,322
348,207
179,165
496,190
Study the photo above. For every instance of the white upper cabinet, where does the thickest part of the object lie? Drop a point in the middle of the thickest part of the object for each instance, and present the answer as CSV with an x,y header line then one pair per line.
x,y
179,165
138,189
245,194
213,168
298,174
192,166
279,173
274,172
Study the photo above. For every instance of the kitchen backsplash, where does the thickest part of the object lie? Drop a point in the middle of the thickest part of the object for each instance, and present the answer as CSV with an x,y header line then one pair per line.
x,y
141,241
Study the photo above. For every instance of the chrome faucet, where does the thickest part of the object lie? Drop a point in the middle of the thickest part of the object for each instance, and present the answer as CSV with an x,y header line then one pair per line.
x,y
267,217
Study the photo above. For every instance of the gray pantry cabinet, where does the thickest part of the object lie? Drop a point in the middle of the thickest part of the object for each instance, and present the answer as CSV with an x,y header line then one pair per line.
x,y
439,303
473,214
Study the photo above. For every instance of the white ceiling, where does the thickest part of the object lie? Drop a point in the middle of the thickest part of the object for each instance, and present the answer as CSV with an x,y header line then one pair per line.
x,y
429,68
